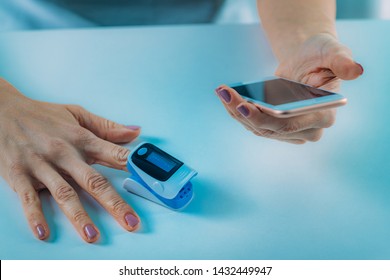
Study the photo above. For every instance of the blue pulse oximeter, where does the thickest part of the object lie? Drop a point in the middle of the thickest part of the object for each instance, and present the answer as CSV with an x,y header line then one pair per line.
x,y
159,177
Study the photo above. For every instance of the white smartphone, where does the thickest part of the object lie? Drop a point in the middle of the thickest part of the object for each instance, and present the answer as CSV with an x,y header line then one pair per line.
x,y
284,98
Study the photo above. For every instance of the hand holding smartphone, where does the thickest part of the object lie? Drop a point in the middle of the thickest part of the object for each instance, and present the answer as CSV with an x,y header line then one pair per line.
x,y
283,98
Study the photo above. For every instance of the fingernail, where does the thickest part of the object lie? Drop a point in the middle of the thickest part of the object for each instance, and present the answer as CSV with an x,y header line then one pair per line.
x,y
243,110
90,231
131,220
361,68
224,94
133,127
41,231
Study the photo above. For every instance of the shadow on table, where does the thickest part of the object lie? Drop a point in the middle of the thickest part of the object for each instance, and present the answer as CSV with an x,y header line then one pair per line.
x,y
213,201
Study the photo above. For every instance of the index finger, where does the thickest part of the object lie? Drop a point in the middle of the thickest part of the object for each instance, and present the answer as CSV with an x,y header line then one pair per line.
x,y
258,119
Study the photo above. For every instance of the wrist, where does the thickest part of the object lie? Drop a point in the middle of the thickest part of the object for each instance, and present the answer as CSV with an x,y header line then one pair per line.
x,y
287,41
288,24
9,94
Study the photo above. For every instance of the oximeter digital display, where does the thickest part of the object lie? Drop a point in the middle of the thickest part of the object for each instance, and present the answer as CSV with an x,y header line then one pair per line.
x,y
155,162
159,177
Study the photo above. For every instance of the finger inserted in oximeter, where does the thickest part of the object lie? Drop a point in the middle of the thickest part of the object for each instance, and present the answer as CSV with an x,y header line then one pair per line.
x,y
159,177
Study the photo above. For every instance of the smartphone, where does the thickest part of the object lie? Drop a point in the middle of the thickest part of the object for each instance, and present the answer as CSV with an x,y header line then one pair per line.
x,y
283,98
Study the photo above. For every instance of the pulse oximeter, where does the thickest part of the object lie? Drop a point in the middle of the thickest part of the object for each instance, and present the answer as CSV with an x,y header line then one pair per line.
x,y
159,177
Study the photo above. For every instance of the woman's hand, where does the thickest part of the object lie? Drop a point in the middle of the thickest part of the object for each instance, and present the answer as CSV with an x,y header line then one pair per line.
x,y
45,145
321,61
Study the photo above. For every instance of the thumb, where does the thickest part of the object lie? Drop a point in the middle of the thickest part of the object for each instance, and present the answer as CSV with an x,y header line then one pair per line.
x,y
103,128
339,60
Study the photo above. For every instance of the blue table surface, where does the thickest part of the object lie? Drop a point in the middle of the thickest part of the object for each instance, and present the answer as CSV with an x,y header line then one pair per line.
x,y
255,198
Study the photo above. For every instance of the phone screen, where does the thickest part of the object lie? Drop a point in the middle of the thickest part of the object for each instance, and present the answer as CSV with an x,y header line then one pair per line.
x,y
279,91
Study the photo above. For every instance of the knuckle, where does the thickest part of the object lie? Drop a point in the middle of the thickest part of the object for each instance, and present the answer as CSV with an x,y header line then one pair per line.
x,y
76,111
118,206
65,193
33,217
36,159
28,198
288,127
97,184
16,169
75,107
108,124
57,146
79,215
82,133
78,107
120,153
82,136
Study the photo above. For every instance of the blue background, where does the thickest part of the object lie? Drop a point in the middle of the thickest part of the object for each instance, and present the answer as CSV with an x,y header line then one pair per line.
x,y
255,198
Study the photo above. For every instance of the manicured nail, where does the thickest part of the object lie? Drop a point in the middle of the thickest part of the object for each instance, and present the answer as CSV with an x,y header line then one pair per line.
x,y
133,127
131,220
90,231
243,110
225,95
361,68
41,231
